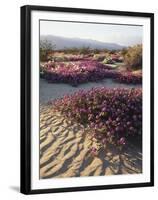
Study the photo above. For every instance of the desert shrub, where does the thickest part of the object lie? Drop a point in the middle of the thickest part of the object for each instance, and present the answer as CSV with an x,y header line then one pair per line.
x,y
96,51
84,50
46,47
108,61
98,57
133,57
72,50
113,51
124,51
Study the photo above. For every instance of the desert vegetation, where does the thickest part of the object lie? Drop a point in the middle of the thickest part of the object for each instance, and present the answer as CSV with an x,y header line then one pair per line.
x,y
133,56
114,115
104,116
83,65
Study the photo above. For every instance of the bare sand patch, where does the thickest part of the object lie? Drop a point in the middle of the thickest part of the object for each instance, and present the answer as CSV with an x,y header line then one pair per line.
x,y
51,91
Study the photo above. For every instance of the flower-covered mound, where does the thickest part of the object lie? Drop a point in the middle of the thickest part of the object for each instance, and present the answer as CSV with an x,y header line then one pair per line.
x,y
78,72
113,115
75,73
129,77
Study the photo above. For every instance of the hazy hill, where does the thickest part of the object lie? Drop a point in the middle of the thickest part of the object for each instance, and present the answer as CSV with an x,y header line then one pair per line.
x,y
63,42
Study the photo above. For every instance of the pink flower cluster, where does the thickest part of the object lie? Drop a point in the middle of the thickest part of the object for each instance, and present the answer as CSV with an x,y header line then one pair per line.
x,y
76,73
113,115
129,77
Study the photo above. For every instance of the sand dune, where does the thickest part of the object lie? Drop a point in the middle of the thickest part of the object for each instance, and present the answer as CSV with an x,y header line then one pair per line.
x,y
65,151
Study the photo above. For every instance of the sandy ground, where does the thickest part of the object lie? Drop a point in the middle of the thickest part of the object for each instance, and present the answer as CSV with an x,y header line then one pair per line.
x,y
50,91
65,151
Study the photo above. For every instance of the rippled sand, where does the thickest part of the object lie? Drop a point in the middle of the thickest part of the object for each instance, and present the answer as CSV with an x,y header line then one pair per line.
x,y
65,151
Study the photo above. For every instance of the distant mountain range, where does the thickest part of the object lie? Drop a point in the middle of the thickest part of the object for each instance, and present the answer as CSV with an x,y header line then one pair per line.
x,y
63,42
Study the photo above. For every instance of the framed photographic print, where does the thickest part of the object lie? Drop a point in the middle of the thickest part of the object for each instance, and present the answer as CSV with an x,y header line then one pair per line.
x,y
87,99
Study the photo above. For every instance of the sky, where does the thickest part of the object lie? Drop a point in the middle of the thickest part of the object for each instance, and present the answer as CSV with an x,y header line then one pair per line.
x,y
125,35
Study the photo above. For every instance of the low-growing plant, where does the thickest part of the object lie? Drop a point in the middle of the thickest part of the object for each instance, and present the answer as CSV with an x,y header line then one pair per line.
x,y
129,78
113,115
108,61
76,73
99,57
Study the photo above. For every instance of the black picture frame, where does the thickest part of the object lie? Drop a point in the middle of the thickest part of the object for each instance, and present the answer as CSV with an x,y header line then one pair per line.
x,y
26,98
